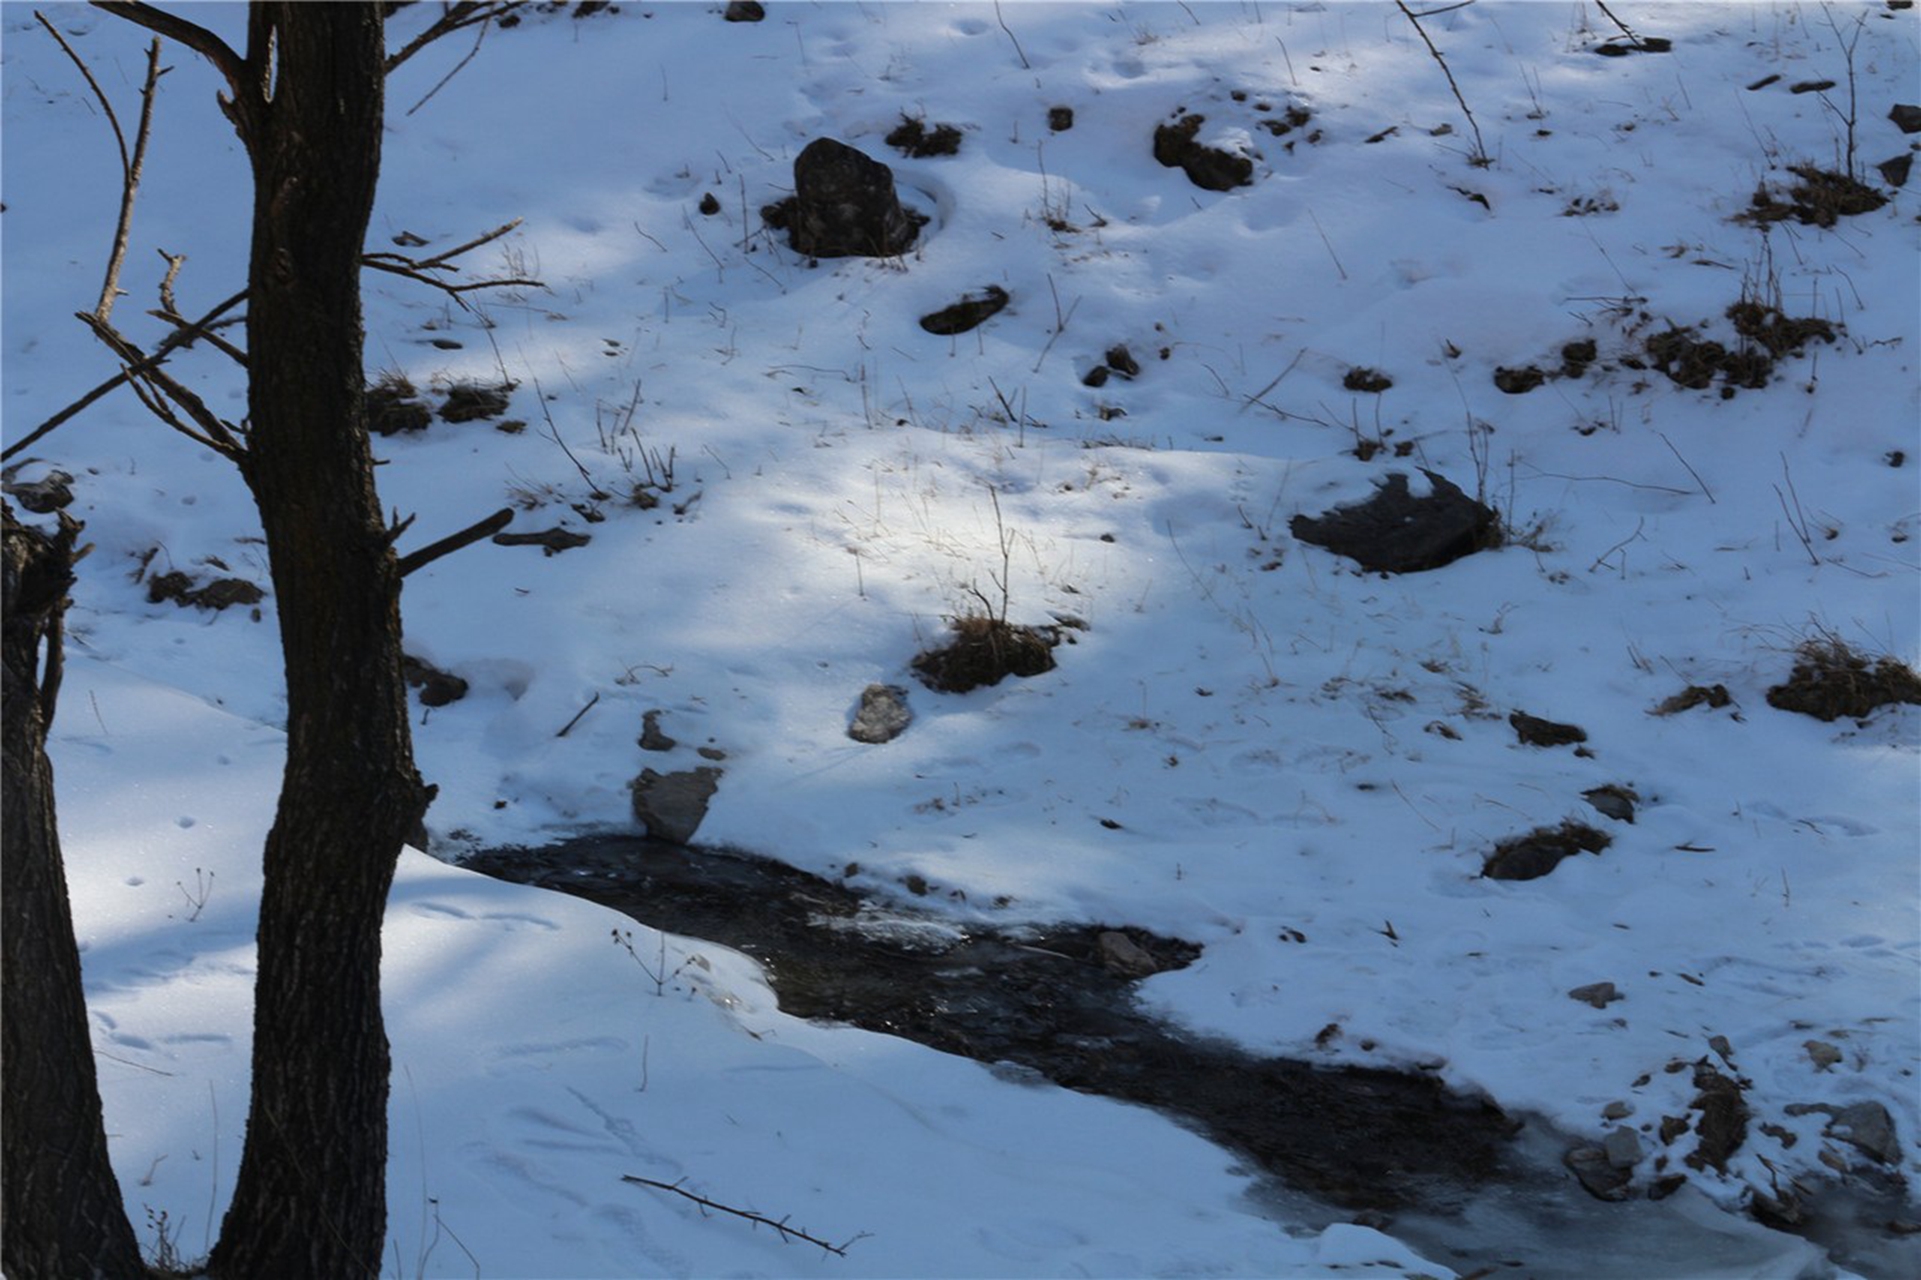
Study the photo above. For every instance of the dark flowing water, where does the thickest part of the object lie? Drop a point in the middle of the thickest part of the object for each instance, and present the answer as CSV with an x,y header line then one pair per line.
x,y
1450,1174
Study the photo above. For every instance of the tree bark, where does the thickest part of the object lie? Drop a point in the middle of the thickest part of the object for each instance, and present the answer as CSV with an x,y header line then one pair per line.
x,y
311,1196
64,1214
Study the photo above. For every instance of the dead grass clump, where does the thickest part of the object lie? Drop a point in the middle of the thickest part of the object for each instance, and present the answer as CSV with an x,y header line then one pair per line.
x,y
1820,199
1533,855
1831,679
1780,333
392,406
913,137
1368,380
985,650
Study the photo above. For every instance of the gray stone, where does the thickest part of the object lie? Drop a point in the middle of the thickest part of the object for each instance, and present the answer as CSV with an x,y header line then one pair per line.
x,y
1122,955
1821,1053
651,738
1623,1148
1598,994
882,715
1866,1126
1601,1178
672,805
1617,1110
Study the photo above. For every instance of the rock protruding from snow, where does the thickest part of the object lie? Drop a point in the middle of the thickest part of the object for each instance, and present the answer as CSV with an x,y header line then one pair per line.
x,y
1396,532
882,716
672,805
1866,1126
844,205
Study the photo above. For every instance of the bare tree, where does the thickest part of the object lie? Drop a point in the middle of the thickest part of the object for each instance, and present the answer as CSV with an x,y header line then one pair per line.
x,y
306,98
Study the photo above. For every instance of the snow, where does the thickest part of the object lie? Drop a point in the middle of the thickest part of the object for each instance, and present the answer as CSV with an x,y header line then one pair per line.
x,y
1261,722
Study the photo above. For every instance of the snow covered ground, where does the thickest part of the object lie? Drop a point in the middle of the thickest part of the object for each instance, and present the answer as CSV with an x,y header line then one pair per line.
x,y
1253,745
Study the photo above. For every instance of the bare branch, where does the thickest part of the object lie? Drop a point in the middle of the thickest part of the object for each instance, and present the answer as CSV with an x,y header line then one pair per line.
x,y
183,336
838,1250
170,312
418,268
466,13
447,546
213,432
191,34
1480,158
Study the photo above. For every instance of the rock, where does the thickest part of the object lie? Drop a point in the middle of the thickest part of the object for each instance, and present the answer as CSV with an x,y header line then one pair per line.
x,y
1536,732
743,11
1672,1127
1122,361
709,205
1208,168
1906,117
672,805
970,312
1518,382
882,715
1866,1126
844,205
1597,1174
1598,994
1723,1125
1060,119
44,496
1821,1053
1122,955
1613,802
1623,1148
437,687
651,738
1715,695
1895,171
1396,532
1619,1109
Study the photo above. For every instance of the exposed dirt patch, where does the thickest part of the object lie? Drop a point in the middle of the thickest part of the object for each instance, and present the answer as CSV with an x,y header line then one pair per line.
x,y
985,650
1536,732
437,687
1533,855
472,401
393,407
1370,381
1060,119
1781,334
913,138
970,312
1695,695
1831,680
1209,168
1820,198
219,594
1519,381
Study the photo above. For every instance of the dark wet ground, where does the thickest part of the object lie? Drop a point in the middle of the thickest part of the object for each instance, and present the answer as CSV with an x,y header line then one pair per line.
x,y
1044,1000
1446,1173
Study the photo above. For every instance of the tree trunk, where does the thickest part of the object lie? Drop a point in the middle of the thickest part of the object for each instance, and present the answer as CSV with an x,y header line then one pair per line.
x,y
311,1195
64,1215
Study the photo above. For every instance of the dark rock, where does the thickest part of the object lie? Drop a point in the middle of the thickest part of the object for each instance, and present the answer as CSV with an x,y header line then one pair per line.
x,y
468,401
553,541
844,205
672,805
1097,376
970,312
915,139
709,205
1822,1054
1371,381
1208,168
44,496
1598,994
1533,855
437,687
1395,532
882,716
651,738
1645,44
1597,1174
1895,171
1672,1127
1122,361
1613,802
1906,117
1536,732
1866,1126
743,11
1723,1125
1060,119
1811,86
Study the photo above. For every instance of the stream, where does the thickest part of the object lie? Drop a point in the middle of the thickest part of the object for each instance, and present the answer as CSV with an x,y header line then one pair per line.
x,y
1453,1176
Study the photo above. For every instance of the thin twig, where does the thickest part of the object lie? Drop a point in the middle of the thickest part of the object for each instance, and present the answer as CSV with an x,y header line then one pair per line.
x,y
1480,157
1025,65
838,1250
1691,471
578,714
464,14
161,387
